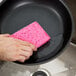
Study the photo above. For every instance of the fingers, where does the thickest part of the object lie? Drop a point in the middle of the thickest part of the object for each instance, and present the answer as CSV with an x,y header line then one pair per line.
x,y
21,61
20,58
27,48
26,58
26,53
33,47
30,45
27,44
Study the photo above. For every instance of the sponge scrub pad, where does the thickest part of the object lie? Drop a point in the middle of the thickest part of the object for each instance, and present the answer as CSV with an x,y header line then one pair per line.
x,y
32,33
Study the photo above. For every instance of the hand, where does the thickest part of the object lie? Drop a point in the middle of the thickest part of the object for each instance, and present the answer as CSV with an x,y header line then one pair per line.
x,y
15,50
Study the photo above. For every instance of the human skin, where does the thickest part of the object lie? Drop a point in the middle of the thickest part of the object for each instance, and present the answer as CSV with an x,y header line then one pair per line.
x,y
14,49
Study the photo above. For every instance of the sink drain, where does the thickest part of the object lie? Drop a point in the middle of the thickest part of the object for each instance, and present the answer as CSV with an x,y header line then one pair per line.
x,y
39,73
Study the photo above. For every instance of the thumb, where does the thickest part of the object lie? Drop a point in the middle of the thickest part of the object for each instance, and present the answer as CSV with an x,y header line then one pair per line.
x,y
6,35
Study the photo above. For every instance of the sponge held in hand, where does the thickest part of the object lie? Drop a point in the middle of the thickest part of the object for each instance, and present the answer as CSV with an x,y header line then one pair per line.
x,y
32,33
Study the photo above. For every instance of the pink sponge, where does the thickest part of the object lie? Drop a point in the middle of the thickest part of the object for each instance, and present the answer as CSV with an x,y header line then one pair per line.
x,y
32,33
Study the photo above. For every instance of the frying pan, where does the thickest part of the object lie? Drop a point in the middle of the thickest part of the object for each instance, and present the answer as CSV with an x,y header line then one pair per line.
x,y
53,15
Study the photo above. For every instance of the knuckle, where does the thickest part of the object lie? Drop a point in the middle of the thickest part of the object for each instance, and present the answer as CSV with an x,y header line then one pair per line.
x,y
27,58
33,47
30,49
29,54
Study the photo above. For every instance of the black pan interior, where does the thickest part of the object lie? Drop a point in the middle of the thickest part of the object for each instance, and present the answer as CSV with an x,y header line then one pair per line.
x,y
52,15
